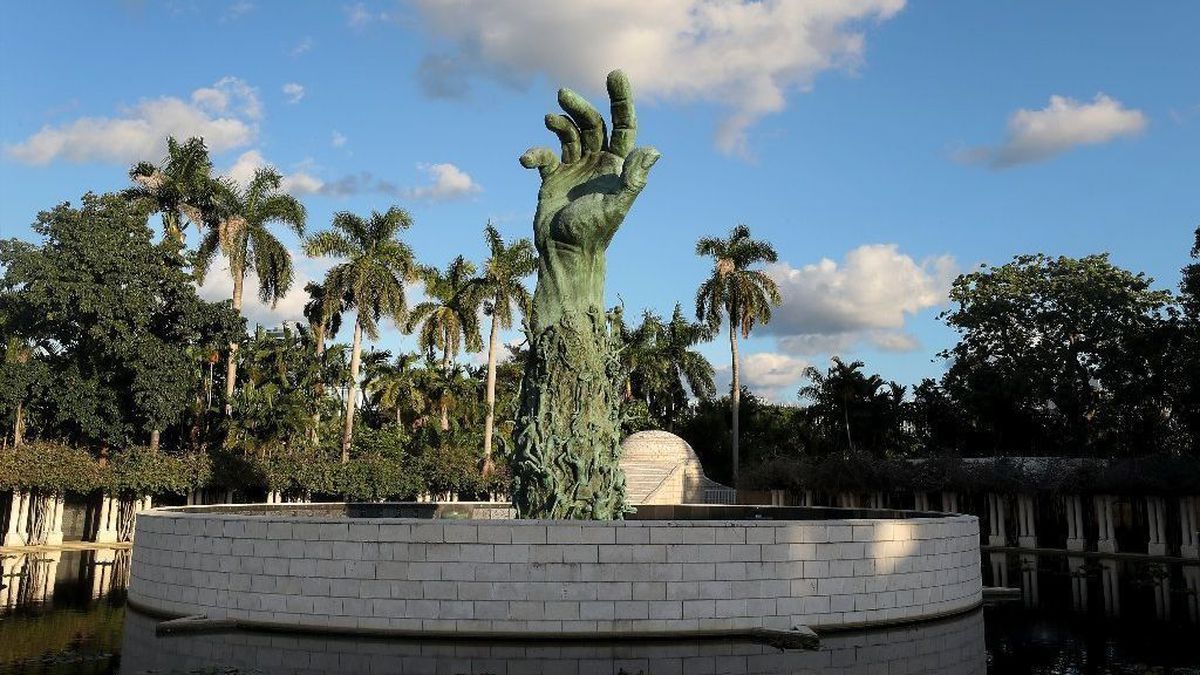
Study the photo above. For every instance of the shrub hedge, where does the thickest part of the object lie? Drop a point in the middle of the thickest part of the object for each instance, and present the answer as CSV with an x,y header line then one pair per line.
x,y
1156,474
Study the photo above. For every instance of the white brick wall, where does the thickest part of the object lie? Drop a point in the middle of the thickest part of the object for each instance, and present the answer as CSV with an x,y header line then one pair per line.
x,y
518,576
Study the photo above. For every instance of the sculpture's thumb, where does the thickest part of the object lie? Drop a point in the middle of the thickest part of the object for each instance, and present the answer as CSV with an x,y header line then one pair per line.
x,y
636,169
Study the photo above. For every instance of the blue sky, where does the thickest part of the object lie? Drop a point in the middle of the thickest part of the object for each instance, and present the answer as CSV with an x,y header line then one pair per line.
x,y
882,147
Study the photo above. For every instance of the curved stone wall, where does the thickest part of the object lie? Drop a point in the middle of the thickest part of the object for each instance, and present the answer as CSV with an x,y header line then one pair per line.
x,y
517,577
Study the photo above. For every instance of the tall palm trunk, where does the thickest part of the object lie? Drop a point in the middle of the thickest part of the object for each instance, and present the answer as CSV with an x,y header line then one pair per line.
x,y
735,395
231,365
319,387
490,398
19,425
446,373
352,393
154,439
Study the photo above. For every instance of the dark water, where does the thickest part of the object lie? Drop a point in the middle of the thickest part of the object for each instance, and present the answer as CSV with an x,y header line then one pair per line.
x,y
65,614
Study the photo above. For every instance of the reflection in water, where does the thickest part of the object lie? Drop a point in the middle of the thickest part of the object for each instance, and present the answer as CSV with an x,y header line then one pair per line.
x,y
63,613
952,647
28,580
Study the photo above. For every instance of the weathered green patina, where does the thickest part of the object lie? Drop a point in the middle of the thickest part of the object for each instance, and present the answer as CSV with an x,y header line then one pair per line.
x,y
566,463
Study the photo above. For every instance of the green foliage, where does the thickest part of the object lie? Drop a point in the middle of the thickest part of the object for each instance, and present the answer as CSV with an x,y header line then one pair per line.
x,y
860,472
112,320
137,470
52,467
1056,356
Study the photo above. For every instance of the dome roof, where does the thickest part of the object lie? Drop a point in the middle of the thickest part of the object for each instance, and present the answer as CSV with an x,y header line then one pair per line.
x,y
657,446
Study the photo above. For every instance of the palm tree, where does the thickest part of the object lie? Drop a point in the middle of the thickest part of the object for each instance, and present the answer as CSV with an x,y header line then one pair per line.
x,y
499,288
393,383
243,236
740,295
371,281
180,187
845,392
449,318
682,364
324,315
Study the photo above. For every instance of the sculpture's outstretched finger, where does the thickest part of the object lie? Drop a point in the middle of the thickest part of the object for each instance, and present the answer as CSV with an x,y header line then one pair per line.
x,y
541,158
567,134
591,125
624,119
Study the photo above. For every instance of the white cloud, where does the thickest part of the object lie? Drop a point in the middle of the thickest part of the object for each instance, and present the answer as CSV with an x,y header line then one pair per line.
x,y
297,183
236,10
448,182
747,54
828,307
225,114
218,285
1064,124
338,139
294,92
304,45
358,15
768,374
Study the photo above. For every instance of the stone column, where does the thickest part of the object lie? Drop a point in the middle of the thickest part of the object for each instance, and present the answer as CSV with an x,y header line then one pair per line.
x,y
10,579
143,503
102,571
18,519
228,497
921,501
777,498
1156,520
877,500
999,565
1026,525
54,532
997,534
1189,523
1191,581
1029,580
1076,541
1106,540
809,499
274,497
1109,582
1079,583
106,524
950,502
42,574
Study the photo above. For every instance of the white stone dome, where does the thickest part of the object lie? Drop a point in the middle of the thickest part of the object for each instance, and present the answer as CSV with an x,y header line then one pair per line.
x,y
660,446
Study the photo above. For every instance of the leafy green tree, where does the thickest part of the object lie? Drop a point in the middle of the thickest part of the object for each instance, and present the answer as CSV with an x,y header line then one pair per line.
x,y
371,281
242,234
450,317
179,188
498,289
119,316
739,295
1048,350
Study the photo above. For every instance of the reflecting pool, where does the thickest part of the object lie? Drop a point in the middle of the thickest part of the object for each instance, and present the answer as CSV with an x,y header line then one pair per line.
x,y
64,613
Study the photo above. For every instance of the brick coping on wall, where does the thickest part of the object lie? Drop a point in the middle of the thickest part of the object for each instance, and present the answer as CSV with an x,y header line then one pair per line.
x,y
510,578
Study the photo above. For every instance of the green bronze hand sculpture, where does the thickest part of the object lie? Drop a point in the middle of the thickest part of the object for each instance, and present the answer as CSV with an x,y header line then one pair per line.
x,y
568,435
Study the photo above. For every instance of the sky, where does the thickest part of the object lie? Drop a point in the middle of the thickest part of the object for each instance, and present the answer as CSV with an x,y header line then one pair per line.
x,y
882,146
